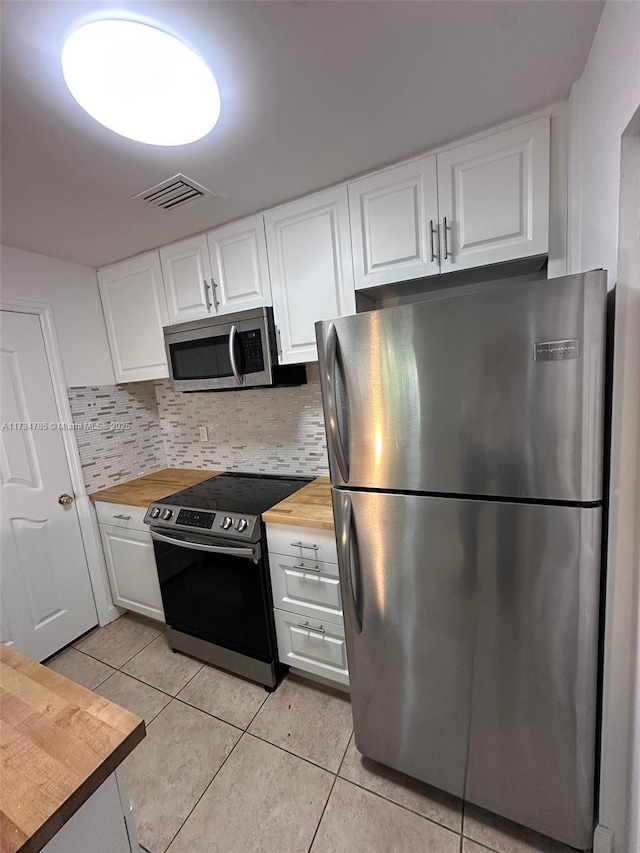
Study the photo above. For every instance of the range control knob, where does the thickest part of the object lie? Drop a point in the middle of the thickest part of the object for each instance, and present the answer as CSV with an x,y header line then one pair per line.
x,y
226,523
166,514
241,525
155,511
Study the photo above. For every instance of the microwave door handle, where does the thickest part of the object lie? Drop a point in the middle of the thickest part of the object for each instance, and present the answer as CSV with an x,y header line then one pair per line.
x,y
232,354
211,549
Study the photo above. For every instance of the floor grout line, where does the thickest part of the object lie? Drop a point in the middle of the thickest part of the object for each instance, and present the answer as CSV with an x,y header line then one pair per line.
x,y
333,784
401,806
289,752
205,790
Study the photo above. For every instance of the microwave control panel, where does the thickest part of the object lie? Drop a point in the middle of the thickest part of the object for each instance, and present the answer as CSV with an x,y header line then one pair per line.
x,y
252,351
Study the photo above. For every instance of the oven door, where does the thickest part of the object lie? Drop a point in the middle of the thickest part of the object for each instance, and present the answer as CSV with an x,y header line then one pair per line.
x,y
210,355
216,591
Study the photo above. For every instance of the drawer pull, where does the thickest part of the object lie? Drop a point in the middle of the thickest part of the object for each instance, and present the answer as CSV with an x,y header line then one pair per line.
x,y
123,517
306,625
303,545
304,568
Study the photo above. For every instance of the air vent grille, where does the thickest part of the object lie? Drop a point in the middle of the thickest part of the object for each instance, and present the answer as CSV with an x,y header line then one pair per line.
x,y
176,192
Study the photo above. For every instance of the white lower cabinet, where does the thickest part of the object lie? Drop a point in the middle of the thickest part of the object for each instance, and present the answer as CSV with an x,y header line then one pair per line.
x,y
312,646
307,601
103,819
131,564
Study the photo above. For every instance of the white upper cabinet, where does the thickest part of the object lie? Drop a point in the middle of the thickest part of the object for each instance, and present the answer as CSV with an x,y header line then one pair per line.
x,y
135,311
240,269
394,224
493,196
187,279
309,248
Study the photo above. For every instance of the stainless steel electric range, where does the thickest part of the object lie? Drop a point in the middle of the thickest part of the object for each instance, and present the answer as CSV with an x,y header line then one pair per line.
x,y
211,553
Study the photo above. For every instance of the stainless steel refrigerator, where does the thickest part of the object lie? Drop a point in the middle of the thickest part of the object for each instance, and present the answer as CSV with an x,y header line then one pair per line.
x,y
465,441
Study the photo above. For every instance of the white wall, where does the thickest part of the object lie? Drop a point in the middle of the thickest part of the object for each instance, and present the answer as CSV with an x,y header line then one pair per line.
x,y
602,105
72,290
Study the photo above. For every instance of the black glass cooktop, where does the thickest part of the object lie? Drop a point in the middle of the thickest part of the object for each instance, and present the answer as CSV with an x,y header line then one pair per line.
x,y
237,492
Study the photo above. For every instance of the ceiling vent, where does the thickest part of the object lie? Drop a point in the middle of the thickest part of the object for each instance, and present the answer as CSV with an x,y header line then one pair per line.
x,y
176,192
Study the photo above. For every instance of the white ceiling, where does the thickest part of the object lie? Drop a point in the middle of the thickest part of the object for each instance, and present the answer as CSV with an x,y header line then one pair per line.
x,y
312,93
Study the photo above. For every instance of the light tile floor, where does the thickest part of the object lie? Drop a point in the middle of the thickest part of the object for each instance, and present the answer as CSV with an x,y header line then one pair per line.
x,y
227,768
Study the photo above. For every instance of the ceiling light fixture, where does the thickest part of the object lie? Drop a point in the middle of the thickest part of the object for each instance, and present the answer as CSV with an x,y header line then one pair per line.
x,y
141,82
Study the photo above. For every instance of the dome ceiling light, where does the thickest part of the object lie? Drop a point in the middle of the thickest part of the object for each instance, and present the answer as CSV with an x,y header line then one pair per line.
x,y
140,82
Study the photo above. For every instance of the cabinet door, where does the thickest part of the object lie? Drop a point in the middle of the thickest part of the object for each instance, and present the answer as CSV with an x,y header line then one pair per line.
x,y
135,311
187,279
132,570
240,270
309,248
394,224
494,195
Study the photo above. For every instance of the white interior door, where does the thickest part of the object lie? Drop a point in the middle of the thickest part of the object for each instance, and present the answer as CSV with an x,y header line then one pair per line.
x,y
47,600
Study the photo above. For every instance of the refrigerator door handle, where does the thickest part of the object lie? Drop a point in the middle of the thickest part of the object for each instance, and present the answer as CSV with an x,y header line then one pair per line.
x,y
348,545
331,365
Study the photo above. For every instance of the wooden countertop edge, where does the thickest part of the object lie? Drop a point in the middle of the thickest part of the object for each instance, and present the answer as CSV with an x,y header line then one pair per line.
x,y
89,786
276,517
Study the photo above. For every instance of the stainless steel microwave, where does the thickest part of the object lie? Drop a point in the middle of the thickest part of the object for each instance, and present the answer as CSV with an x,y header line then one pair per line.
x,y
227,353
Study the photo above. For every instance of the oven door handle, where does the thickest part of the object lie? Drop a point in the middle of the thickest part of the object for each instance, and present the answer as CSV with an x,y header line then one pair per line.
x,y
250,553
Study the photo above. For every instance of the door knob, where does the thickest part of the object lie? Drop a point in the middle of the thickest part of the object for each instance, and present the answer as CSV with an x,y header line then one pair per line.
x,y
65,500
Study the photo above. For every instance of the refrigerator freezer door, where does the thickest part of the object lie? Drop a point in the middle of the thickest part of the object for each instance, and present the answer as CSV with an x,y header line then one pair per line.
x,y
472,632
495,391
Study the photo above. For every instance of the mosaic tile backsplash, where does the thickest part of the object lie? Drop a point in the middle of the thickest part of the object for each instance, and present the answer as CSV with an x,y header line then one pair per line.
x,y
119,434
266,430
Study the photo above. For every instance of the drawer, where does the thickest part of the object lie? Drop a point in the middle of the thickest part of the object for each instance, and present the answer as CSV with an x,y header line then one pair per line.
x,y
309,543
312,645
306,587
121,515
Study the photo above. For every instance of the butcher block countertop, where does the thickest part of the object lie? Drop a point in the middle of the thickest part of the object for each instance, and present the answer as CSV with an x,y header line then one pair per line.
x,y
144,490
59,744
308,507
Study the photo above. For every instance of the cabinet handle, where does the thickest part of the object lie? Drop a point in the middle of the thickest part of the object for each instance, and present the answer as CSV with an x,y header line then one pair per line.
x,y
303,545
446,238
432,253
278,342
306,625
214,291
304,568
207,301
123,517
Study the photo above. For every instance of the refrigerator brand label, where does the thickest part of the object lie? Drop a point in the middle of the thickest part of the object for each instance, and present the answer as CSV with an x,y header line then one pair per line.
x,y
556,350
